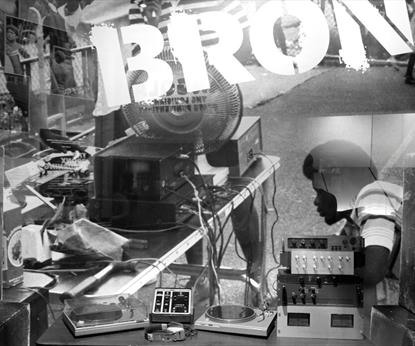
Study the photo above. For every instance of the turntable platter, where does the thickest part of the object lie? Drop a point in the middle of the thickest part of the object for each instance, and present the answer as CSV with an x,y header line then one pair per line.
x,y
96,312
230,313
90,316
237,319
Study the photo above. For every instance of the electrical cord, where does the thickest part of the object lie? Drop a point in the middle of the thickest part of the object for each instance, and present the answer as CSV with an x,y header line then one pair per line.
x,y
186,198
210,203
210,235
204,185
266,280
216,255
224,244
274,193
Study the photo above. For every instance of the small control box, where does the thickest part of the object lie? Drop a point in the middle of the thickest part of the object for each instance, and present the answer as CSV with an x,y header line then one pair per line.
x,y
241,150
172,305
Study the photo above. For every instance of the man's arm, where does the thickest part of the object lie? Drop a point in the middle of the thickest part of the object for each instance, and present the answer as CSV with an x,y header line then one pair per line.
x,y
379,237
376,264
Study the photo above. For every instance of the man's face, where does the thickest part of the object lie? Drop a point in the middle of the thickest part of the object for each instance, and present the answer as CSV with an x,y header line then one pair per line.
x,y
325,202
11,35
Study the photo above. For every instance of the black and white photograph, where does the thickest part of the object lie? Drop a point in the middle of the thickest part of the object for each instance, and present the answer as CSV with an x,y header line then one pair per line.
x,y
20,45
207,172
14,103
71,65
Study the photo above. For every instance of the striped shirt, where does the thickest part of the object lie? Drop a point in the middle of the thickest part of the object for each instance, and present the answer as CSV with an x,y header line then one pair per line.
x,y
194,7
378,213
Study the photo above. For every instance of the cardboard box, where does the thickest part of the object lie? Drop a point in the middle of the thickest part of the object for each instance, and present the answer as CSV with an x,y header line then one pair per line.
x,y
12,265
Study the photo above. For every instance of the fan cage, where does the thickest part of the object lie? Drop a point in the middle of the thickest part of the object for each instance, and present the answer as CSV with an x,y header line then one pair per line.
x,y
172,118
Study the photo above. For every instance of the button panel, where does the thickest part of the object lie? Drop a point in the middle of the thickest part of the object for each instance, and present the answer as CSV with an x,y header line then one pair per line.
x,y
322,262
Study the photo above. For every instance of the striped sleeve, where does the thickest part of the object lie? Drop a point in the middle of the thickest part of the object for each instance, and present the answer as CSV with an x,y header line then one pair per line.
x,y
135,15
380,199
379,232
378,212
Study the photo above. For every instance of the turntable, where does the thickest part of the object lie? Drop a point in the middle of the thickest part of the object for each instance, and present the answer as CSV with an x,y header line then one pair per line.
x,y
237,319
90,316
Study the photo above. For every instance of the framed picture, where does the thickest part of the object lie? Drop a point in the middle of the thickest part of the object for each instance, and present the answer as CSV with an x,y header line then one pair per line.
x,y
73,72
14,105
19,45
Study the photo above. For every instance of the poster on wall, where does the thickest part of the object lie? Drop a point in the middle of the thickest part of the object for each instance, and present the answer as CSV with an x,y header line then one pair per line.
x,y
72,67
7,7
66,70
20,45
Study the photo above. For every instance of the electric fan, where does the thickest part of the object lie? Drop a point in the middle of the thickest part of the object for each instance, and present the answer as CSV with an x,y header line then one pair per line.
x,y
205,119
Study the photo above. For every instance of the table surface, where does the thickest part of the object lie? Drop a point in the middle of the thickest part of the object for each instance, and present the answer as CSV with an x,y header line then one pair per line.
x,y
168,252
31,287
59,334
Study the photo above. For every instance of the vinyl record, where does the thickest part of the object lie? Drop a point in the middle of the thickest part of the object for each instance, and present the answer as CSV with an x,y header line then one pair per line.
x,y
230,313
